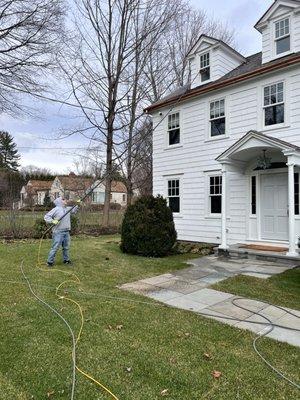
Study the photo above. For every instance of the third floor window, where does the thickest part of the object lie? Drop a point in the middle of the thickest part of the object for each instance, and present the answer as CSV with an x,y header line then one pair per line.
x,y
282,36
205,67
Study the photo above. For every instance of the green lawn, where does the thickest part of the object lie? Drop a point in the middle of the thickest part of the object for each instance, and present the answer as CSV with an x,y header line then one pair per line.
x,y
137,350
282,290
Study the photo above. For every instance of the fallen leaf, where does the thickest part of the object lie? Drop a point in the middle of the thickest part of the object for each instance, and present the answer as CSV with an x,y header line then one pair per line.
x,y
187,334
119,327
50,393
128,369
164,392
207,356
216,374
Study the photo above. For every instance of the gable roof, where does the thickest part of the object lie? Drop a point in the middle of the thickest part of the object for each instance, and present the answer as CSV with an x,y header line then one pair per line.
x,y
213,41
118,187
268,14
74,182
260,138
38,185
251,68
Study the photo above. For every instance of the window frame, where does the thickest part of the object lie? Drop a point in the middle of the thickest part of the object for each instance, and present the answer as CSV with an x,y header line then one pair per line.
x,y
224,135
207,66
169,179
283,102
209,195
285,35
179,144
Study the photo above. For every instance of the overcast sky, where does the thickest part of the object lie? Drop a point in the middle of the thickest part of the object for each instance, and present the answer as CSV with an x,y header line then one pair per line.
x,y
40,132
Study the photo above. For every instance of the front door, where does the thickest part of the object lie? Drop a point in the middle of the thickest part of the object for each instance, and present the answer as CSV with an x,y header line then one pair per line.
x,y
274,206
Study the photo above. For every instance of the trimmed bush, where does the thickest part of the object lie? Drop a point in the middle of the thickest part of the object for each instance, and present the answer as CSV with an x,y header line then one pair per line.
x,y
40,227
148,228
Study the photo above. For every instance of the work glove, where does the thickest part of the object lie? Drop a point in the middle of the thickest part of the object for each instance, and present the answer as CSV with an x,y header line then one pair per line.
x,y
55,222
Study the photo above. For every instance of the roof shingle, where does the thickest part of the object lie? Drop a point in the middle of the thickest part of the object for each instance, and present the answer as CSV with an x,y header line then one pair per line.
x,y
251,67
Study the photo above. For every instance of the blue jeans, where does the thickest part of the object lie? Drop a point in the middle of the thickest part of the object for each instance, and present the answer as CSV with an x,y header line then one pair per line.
x,y
60,239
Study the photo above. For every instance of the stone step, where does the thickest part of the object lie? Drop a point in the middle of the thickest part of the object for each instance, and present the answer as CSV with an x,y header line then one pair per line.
x,y
239,253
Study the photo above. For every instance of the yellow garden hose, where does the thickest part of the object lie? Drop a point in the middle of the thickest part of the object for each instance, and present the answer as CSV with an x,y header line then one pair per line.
x,y
77,281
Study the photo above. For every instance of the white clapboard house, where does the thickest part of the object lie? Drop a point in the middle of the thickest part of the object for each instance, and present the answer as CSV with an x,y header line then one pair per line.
x,y
227,155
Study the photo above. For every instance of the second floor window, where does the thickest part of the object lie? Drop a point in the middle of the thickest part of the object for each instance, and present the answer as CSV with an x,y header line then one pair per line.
x,y
205,67
282,36
274,104
174,129
217,118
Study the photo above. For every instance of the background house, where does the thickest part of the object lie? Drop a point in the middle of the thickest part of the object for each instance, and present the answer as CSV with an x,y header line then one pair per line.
x,y
70,186
118,193
34,193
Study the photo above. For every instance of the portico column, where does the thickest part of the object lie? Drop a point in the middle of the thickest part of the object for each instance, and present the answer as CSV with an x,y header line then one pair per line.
x,y
292,246
224,245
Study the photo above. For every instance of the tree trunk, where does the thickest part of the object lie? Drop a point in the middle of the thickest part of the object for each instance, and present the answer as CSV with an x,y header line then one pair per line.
x,y
109,171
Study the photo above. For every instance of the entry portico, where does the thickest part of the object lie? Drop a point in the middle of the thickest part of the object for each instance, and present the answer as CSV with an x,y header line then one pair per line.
x,y
270,166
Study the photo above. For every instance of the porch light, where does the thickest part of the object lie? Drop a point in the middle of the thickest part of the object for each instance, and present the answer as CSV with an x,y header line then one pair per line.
x,y
264,162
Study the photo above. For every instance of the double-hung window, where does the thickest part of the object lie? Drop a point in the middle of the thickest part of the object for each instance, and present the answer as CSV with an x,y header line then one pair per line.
x,y
282,36
205,67
174,128
274,104
217,118
215,194
174,195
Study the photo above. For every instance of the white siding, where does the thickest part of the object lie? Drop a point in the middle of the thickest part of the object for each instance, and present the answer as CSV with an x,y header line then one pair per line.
x,y
223,63
196,155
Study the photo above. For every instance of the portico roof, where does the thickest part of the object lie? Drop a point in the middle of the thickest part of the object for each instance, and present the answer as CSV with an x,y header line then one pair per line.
x,y
247,147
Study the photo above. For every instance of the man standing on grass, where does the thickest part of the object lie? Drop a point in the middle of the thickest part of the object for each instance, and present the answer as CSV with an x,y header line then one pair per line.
x,y
61,220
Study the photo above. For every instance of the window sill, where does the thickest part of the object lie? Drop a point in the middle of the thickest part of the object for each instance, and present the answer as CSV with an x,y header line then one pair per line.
x,y
174,146
177,216
276,56
215,216
275,127
216,138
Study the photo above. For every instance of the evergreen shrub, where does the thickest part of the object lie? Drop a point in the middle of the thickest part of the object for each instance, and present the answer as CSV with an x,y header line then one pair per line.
x,y
148,228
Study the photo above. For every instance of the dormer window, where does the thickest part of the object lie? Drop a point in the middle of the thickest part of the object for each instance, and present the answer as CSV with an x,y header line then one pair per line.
x,y
282,36
205,67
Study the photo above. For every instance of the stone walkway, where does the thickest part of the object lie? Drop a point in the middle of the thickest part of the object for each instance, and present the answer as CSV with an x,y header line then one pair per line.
x,y
188,289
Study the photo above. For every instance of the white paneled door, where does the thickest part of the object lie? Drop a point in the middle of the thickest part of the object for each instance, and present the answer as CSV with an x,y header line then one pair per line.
x,y
274,206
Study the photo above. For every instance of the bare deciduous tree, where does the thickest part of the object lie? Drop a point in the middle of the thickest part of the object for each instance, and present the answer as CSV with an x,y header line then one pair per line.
x,y
111,35
30,32
155,72
126,54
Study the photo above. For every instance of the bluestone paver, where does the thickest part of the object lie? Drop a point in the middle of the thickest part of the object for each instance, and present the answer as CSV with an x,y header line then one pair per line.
x,y
208,296
186,304
188,289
